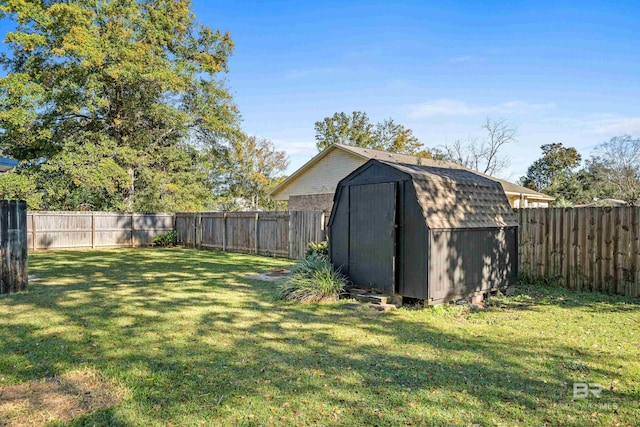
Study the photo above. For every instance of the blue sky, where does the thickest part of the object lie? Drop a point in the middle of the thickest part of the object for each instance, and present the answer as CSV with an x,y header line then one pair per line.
x,y
559,71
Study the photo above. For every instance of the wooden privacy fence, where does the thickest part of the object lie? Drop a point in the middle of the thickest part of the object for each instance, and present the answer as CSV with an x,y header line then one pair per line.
x,y
595,249
59,230
13,246
283,234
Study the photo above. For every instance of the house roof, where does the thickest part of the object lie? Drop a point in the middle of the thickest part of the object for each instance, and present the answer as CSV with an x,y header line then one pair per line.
x,y
7,164
368,153
457,198
603,203
509,187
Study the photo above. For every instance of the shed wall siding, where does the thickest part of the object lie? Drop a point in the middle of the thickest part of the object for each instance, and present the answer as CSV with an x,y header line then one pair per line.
x,y
466,261
311,202
413,246
323,177
339,232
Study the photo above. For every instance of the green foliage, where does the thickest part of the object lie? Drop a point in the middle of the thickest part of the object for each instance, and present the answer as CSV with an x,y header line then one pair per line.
x,y
320,248
16,186
167,239
247,169
356,130
615,170
556,163
396,138
612,172
313,280
561,202
344,129
104,102
555,174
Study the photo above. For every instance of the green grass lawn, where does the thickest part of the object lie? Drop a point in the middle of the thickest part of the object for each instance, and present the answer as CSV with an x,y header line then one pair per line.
x,y
193,343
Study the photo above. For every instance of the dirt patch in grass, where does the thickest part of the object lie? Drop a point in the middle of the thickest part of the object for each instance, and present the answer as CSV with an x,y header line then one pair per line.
x,y
60,398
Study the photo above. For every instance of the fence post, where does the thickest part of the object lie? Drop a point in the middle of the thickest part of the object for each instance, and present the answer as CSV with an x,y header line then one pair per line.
x,y
93,230
224,231
13,234
33,230
199,230
133,230
291,222
257,235
195,230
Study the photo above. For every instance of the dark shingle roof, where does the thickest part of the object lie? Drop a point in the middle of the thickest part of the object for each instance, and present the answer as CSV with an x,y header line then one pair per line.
x,y
458,198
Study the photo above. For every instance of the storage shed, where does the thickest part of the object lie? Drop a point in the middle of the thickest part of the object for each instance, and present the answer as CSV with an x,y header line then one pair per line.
x,y
433,233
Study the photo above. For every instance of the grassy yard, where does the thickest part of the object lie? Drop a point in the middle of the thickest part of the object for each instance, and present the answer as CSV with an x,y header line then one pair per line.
x,y
178,337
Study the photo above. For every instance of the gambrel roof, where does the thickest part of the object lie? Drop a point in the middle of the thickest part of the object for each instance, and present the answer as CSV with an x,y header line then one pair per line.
x,y
457,198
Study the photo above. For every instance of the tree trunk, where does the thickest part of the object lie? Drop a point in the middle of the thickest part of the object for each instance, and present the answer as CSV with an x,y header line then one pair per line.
x,y
132,189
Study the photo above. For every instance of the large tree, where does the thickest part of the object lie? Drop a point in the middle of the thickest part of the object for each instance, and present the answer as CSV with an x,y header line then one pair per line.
x,y
341,128
555,173
247,169
105,100
356,129
615,170
396,138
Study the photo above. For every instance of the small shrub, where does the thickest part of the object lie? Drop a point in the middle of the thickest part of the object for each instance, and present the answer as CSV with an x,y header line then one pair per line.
x,y
168,239
321,248
313,280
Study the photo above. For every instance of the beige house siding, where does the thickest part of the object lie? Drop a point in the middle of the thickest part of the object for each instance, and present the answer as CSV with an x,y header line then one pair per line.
x,y
526,202
311,202
322,177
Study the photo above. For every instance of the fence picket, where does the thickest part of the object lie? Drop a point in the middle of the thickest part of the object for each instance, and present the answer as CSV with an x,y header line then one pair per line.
x,y
60,230
596,249
283,234
592,249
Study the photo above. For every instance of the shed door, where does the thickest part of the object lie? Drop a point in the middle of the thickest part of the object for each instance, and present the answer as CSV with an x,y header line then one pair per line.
x,y
372,249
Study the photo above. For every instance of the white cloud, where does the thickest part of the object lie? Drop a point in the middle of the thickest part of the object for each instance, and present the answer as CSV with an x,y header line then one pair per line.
x,y
600,124
452,107
618,126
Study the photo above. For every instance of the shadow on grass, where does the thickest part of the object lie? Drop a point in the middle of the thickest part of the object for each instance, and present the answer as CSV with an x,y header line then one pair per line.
x,y
194,342
539,296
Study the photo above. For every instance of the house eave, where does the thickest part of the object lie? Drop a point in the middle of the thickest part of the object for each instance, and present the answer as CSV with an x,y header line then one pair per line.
x,y
530,195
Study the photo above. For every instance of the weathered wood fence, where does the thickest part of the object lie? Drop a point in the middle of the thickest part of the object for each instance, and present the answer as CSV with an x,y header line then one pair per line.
x,y
60,230
13,246
282,234
594,249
